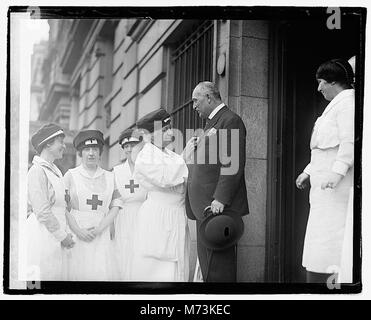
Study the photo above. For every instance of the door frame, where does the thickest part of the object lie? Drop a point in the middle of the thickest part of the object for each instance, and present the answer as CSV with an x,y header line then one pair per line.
x,y
279,205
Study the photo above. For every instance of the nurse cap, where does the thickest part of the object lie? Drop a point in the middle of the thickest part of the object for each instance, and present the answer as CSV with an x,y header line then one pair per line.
x,y
127,136
45,133
147,122
88,138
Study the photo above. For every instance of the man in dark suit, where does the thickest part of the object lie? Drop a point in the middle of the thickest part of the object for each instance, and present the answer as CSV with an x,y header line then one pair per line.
x,y
216,163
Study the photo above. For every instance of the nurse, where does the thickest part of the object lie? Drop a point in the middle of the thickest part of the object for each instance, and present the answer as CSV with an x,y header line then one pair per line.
x,y
48,237
330,172
94,204
161,246
132,195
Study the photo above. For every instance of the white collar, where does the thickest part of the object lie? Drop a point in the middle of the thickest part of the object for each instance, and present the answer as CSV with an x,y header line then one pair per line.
x,y
341,95
37,160
215,111
83,172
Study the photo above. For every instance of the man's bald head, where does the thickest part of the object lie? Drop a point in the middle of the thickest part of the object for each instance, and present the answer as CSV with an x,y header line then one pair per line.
x,y
207,87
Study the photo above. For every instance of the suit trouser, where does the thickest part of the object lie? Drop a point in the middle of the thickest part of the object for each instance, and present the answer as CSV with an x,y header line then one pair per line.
x,y
217,266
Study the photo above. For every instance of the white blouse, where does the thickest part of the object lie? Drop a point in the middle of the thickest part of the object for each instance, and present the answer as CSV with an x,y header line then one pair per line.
x,y
155,168
41,196
335,128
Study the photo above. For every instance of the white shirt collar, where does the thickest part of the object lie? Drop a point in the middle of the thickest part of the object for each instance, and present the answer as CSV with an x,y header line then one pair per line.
x,y
341,95
215,111
42,162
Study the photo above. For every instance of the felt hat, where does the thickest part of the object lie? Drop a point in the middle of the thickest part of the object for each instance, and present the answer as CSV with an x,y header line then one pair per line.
x,y
45,134
148,121
88,138
220,231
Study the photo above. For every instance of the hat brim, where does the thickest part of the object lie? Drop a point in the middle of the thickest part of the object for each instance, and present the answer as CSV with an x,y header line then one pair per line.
x,y
133,140
94,145
238,225
85,135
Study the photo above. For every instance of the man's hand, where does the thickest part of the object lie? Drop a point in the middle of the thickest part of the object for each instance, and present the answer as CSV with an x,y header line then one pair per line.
x,y
332,181
68,242
301,181
217,207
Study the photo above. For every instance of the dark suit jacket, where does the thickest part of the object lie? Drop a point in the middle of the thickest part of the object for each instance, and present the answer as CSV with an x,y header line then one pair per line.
x,y
207,182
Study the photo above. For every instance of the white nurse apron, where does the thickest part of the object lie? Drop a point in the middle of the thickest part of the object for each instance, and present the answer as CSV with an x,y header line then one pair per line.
x,y
161,246
133,196
92,261
46,259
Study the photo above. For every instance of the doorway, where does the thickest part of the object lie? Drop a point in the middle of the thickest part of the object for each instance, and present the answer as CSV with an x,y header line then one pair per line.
x,y
297,49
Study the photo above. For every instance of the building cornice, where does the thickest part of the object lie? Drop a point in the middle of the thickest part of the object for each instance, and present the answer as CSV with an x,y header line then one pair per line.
x,y
139,28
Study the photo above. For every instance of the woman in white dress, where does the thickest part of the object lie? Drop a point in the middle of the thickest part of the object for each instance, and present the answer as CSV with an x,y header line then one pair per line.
x,y
94,204
161,248
132,196
330,172
48,237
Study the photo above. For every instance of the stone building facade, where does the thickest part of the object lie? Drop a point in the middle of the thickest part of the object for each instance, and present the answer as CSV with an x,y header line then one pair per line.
x,y
37,88
109,73
50,96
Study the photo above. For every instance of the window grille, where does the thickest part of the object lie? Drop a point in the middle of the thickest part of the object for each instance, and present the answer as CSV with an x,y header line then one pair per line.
x,y
192,61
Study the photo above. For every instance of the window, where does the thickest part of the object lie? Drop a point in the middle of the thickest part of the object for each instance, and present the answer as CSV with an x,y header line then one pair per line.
x,y
192,61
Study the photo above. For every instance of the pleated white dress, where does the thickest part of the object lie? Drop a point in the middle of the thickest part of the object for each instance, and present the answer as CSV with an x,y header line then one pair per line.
x,y
162,242
132,195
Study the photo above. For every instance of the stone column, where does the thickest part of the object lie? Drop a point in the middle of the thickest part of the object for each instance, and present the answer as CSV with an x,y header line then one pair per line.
x,y
248,96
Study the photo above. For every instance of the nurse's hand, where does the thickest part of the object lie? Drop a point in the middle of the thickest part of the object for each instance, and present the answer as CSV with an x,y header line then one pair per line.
x,y
302,180
86,235
96,231
332,181
68,242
